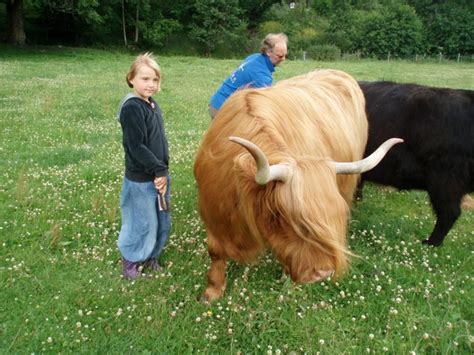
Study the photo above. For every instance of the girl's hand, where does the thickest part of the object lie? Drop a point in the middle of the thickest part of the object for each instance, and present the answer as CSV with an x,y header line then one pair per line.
x,y
161,184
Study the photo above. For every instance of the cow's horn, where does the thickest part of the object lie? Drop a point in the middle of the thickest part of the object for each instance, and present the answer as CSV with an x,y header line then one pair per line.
x,y
360,166
265,172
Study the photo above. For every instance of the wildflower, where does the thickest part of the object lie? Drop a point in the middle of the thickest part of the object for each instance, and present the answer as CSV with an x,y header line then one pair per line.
x,y
371,336
50,340
426,336
321,341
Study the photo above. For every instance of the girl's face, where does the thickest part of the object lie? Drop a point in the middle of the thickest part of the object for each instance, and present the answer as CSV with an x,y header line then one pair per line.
x,y
145,82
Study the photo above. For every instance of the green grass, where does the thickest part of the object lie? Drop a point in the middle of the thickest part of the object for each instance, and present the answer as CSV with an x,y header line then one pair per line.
x,y
61,166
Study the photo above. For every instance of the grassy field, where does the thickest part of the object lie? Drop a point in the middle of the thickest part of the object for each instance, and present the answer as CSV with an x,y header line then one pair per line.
x,y
61,166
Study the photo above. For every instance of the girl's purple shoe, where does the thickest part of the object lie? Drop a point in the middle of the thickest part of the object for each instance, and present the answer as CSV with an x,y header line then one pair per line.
x,y
152,264
131,270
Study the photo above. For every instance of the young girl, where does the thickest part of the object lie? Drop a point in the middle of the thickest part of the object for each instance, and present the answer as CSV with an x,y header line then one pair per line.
x,y
145,192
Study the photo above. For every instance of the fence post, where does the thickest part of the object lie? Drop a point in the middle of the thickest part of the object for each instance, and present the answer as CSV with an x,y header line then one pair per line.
x,y
304,55
388,57
440,56
459,57
416,57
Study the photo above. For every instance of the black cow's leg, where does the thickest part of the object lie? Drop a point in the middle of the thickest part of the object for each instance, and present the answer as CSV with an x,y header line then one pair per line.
x,y
359,190
446,205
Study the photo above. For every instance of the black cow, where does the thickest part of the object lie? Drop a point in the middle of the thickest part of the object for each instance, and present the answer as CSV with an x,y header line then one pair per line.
x,y
437,126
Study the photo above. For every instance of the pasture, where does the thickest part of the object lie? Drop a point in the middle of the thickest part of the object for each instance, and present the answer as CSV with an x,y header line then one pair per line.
x,y
61,165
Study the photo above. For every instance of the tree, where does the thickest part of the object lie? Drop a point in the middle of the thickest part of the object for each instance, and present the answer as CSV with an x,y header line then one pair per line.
x,y
16,30
254,10
215,22
451,30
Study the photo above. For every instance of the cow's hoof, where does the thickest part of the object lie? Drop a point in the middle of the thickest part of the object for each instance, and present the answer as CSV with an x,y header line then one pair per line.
x,y
433,243
210,295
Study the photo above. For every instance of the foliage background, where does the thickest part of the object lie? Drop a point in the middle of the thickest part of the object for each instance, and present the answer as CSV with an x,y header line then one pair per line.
x,y
324,29
61,167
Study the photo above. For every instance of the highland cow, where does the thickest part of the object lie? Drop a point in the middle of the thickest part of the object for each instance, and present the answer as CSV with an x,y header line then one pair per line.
x,y
285,179
437,125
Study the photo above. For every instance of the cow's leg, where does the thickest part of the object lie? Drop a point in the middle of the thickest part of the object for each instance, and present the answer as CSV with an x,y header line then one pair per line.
x,y
446,204
216,275
359,194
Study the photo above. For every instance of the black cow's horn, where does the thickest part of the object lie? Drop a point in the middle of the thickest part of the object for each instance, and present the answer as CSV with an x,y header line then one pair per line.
x,y
265,172
360,166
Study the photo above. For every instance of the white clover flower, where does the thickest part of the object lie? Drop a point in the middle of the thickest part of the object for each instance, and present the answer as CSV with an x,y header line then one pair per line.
x,y
321,341
371,336
426,336
50,340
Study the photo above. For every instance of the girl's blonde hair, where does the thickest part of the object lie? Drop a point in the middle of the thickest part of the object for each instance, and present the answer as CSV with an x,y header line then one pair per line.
x,y
145,59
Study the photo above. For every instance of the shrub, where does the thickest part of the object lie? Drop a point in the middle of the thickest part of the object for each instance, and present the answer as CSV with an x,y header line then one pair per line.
x,y
394,29
160,31
271,26
326,52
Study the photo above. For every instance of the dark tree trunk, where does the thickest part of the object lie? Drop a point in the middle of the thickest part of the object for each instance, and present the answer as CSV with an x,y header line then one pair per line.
x,y
136,22
123,24
16,30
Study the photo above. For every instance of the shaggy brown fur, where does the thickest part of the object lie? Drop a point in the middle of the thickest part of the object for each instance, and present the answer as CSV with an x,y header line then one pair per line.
x,y
307,122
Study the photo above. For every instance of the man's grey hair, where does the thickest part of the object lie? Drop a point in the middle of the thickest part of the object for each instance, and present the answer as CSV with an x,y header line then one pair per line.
x,y
271,39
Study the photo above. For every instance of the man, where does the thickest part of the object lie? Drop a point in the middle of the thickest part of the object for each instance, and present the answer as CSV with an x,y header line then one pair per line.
x,y
256,70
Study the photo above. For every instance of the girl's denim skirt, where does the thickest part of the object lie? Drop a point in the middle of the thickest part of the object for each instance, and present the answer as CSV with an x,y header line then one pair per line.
x,y
145,228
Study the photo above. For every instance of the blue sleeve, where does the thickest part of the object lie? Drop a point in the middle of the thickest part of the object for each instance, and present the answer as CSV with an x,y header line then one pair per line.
x,y
262,80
